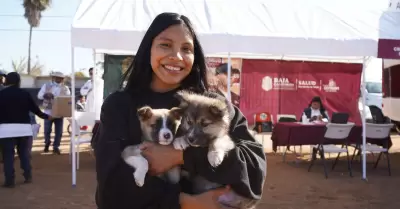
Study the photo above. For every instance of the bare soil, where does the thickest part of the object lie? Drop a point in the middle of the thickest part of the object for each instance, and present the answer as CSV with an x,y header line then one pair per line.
x,y
288,184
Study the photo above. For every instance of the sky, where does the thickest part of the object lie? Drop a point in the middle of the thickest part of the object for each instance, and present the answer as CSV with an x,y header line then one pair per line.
x,y
50,42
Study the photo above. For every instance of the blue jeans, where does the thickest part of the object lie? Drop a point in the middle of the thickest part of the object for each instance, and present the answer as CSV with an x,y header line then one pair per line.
x,y
22,144
58,126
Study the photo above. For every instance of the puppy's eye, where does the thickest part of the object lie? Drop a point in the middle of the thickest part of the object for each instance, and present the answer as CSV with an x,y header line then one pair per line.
x,y
189,122
204,124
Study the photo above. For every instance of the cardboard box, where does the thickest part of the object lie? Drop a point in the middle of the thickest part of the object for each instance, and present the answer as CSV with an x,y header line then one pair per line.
x,y
62,107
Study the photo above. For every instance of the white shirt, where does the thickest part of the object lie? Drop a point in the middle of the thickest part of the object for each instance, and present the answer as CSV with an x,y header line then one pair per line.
x,y
54,88
317,112
87,90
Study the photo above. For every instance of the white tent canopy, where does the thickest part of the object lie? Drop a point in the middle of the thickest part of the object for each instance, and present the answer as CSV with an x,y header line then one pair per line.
x,y
293,29
246,29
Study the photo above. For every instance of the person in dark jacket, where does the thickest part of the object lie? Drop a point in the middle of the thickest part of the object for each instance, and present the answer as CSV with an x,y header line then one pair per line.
x,y
316,111
15,105
169,59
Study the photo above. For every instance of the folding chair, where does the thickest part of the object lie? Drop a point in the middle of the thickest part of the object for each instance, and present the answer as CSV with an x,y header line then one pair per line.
x,y
380,132
82,136
337,133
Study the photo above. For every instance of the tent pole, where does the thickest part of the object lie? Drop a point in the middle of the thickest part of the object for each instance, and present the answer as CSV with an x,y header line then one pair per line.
x,y
73,125
228,88
94,87
364,137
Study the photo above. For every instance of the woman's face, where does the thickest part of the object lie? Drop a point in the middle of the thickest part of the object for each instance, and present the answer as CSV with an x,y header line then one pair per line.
x,y
315,105
172,57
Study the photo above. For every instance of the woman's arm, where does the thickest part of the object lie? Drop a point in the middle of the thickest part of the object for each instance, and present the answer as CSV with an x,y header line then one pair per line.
x,y
244,168
116,186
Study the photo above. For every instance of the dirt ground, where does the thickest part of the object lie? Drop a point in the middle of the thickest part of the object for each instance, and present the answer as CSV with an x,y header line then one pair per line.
x,y
288,184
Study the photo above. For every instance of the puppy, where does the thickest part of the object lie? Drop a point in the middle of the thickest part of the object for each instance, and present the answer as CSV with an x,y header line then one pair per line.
x,y
205,123
159,126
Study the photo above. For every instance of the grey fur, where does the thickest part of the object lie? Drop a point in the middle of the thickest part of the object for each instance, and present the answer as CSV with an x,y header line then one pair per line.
x,y
205,123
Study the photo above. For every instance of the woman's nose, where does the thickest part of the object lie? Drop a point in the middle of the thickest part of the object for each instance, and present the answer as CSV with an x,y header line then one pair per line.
x,y
176,55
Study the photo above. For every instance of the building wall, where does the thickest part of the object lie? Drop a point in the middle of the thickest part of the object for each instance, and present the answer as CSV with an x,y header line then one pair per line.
x,y
37,82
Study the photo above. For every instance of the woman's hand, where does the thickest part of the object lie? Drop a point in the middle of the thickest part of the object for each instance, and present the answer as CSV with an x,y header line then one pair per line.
x,y
161,158
206,200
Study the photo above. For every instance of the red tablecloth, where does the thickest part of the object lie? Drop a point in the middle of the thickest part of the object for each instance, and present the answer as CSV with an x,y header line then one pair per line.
x,y
291,134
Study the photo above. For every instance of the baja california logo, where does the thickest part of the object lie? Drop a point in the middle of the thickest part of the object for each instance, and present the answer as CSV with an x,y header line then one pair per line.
x,y
331,87
266,83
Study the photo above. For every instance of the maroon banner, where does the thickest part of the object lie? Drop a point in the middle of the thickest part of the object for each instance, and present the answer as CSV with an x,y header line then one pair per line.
x,y
287,87
389,49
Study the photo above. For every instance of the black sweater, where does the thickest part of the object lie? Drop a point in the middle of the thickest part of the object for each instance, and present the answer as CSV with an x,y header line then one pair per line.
x,y
15,105
244,168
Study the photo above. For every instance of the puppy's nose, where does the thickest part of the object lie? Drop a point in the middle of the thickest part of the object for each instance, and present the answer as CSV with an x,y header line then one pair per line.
x,y
167,135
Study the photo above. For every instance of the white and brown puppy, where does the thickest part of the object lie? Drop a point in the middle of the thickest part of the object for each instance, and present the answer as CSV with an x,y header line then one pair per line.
x,y
159,126
205,123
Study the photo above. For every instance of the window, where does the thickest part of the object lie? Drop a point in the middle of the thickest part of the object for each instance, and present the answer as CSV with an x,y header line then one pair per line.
x,y
374,87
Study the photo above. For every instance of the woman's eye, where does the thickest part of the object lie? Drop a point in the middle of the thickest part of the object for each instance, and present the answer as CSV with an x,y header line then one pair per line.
x,y
165,45
187,49
153,126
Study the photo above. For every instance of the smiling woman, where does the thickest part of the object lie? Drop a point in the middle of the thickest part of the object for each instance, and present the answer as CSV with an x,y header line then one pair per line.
x,y
172,57
169,59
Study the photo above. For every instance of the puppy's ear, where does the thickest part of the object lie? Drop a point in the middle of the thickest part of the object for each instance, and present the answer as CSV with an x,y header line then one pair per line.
x,y
176,113
145,113
183,97
218,109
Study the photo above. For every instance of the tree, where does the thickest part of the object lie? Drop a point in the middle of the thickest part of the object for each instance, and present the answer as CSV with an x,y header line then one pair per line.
x,y
80,74
33,13
20,66
37,68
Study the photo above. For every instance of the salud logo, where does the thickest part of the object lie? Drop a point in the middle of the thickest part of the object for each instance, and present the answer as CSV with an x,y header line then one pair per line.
x,y
331,87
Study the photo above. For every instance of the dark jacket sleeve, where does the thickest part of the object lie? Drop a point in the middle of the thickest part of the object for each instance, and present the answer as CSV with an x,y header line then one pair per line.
x,y
116,187
244,168
33,107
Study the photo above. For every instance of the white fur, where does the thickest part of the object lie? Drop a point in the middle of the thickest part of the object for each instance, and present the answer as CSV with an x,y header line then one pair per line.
x,y
165,130
180,143
141,166
218,149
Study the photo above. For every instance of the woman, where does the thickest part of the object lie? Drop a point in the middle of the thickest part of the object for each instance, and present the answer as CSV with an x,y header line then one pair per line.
x,y
316,111
169,58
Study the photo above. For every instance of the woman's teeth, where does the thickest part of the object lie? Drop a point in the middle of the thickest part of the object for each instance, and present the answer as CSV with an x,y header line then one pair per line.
x,y
172,68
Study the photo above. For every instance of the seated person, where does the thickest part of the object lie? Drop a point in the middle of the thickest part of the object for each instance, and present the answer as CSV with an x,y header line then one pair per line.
x,y
81,104
316,111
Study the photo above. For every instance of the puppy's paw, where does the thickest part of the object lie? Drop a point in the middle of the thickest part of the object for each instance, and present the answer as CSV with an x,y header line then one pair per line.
x,y
180,143
139,178
215,158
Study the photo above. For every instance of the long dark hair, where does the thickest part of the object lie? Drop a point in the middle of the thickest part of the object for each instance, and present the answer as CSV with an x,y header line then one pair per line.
x,y
139,74
317,99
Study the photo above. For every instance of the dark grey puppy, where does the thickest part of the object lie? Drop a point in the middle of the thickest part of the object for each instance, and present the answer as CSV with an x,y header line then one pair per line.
x,y
205,123
160,126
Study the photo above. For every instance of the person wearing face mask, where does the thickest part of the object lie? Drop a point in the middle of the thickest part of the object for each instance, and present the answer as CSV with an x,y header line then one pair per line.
x,y
47,93
316,111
